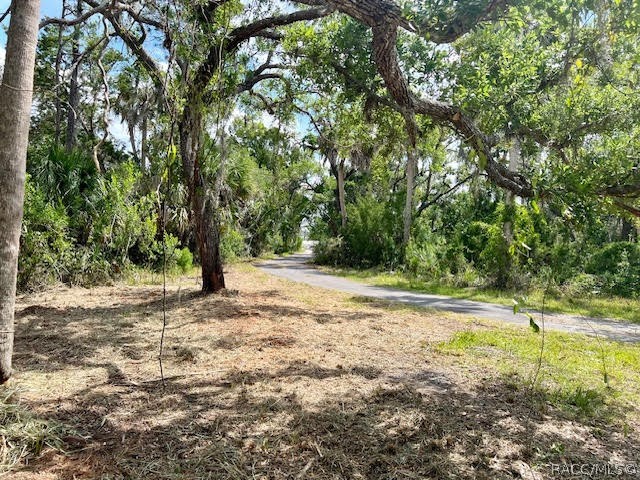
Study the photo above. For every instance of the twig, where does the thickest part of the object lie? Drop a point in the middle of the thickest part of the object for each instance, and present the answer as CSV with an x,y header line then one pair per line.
x,y
306,468
164,288
8,11
539,364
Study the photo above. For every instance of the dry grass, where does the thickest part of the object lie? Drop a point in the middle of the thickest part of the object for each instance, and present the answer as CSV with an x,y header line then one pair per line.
x,y
277,380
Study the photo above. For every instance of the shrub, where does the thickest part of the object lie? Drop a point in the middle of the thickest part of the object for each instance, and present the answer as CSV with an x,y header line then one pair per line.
x,y
45,245
369,238
286,244
328,251
122,219
177,259
184,260
423,259
88,267
582,284
618,266
609,257
232,245
488,250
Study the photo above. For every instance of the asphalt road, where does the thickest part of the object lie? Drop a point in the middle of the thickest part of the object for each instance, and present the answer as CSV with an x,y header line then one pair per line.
x,y
296,268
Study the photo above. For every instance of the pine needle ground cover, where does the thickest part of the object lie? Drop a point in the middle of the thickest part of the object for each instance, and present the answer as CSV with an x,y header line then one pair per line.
x,y
276,380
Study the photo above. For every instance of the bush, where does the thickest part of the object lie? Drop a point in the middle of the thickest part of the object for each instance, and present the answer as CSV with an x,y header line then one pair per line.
x,y
232,245
567,262
45,246
423,260
583,284
122,220
625,281
609,257
328,251
89,267
288,244
177,259
369,238
618,266
488,250
184,259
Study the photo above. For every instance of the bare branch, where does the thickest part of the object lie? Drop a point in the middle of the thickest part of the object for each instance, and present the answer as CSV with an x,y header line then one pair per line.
x,y
7,12
426,203
75,21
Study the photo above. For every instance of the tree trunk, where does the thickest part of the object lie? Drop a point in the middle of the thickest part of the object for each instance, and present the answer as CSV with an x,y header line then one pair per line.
x,y
510,199
143,140
131,126
337,169
205,216
74,87
627,231
412,169
16,93
59,54
342,196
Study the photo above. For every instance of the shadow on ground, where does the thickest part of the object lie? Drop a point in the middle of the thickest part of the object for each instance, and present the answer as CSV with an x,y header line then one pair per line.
x,y
223,429
265,423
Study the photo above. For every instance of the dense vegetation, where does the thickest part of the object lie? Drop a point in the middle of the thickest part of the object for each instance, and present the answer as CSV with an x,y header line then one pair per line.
x,y
306,142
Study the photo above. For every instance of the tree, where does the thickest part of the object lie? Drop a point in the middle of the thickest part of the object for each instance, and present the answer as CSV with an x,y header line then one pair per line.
x,y
198,93
74,87
16,93
216,49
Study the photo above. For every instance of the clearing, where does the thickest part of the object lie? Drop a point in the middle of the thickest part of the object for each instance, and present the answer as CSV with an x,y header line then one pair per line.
x,y
282,380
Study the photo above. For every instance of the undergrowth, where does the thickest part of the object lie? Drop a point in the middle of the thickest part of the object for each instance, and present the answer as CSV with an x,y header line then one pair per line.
x,y
588,377
23,436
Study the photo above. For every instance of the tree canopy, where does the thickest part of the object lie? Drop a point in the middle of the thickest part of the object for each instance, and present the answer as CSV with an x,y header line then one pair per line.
x,y
249,122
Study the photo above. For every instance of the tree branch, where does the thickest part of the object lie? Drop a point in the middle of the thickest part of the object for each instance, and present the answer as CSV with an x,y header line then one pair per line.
x,y
244,33
426,203
75,21
135,46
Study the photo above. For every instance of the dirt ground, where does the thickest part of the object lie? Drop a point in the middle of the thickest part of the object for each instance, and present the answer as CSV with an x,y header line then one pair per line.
x,y
278,380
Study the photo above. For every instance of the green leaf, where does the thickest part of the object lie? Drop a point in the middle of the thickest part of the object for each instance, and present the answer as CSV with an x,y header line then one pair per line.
x,y
532,323
535,207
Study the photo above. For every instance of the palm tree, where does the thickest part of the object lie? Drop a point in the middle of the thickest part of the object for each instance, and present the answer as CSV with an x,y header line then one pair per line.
x,y
16,95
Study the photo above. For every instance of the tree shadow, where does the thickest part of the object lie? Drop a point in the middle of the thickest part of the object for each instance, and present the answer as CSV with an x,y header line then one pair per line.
x,y
291,417
233,427
50,339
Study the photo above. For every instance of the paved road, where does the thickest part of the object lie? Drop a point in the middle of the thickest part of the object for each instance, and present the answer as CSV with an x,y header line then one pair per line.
x,y
297,269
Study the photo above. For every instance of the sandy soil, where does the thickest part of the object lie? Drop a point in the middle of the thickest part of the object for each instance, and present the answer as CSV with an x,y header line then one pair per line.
x,y
277,380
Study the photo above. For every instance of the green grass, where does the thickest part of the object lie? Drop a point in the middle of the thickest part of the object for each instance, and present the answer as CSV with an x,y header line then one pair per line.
x,y
22,435
589,306
136,276
583,375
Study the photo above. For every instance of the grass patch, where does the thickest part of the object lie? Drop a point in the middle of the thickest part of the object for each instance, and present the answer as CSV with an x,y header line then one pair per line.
x,y
588,377
23,436
136,276
589,306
